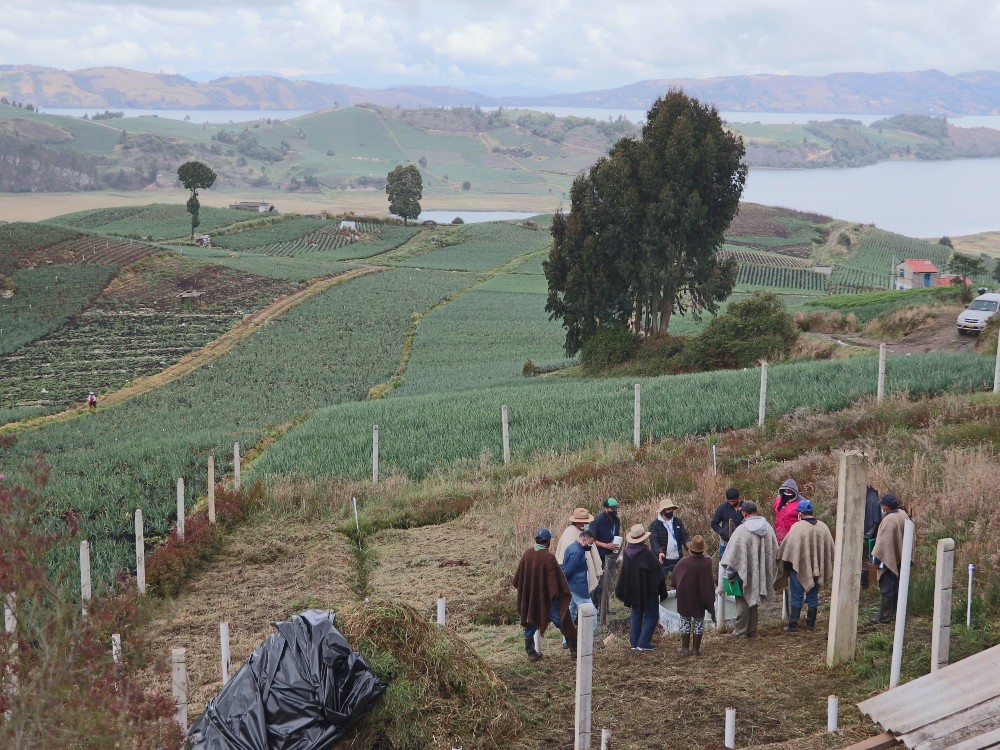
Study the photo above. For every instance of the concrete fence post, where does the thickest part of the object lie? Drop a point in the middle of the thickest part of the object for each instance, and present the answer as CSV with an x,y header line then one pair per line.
x,y
880,390
996,368
762,408
10,614
375,454
852,483
637,417
140,552
224,643
116,648
605,739
236,466
505,432
941,629
904,593
85,587
180,509
584,675
178,670
211,489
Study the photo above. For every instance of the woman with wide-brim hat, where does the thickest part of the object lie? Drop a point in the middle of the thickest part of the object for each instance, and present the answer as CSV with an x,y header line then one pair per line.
x,y
695,587
641,587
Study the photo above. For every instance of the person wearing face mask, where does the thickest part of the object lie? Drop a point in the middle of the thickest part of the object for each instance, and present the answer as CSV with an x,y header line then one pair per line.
x,y
606,527
887,555
578,521
668,536
727,517
805,560
577,571
786,508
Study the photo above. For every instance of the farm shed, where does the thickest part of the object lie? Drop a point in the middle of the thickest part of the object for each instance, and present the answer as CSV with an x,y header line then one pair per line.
x,y
258,206
955,708
347,224
914,273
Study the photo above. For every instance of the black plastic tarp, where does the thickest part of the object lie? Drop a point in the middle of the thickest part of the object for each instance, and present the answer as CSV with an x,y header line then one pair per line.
x,y
302,689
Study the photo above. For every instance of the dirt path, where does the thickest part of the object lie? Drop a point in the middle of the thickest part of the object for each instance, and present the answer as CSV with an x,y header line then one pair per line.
x,y
208,353
937,334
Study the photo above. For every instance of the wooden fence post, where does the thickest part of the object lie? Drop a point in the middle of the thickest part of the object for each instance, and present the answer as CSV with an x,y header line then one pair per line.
x,y
762,408
224,643
941,629
852,483
236,466
85,588
211,489
505,432
140,552
180,509
584,675
178,664
637,418
880,389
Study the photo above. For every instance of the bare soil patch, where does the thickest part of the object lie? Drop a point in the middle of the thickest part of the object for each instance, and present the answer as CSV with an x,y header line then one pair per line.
x,y
263,574
936,334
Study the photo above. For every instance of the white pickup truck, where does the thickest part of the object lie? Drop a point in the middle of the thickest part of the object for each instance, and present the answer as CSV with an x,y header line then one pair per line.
x,y
975,317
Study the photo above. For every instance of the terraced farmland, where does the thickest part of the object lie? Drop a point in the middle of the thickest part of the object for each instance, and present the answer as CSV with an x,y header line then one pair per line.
x,y
759,258
775,277
156,222
480,247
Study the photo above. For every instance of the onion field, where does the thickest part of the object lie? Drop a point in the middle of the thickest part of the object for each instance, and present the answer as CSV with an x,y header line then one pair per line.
x,y
481,247
778,278
417,434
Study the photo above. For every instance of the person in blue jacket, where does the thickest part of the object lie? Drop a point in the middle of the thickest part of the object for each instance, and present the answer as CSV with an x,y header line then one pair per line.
x,y
575,569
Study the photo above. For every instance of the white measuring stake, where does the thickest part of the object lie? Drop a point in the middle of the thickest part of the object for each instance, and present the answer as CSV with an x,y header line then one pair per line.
x,y
440,610
968,603
730,728
224,642
832,713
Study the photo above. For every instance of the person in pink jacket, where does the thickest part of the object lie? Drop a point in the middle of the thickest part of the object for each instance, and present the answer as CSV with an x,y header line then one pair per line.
x,y
786,508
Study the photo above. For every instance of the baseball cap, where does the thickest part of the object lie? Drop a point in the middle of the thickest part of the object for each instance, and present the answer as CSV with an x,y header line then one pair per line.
x,y
542,535
805,506
610,503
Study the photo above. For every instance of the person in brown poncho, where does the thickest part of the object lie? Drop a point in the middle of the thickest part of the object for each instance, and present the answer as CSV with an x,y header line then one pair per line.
x,y
695,585
543,595
805,560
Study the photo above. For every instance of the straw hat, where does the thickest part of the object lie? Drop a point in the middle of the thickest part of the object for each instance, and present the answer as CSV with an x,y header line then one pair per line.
x,y
637,534
697,544
581,515
667,504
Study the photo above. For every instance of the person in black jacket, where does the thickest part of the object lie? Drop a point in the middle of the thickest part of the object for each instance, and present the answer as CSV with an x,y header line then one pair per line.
x,y
641,588
873,515
668,537
727,517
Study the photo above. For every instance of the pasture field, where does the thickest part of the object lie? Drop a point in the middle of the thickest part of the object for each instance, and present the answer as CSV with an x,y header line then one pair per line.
x,y
330,349
420,433
46,298
159,221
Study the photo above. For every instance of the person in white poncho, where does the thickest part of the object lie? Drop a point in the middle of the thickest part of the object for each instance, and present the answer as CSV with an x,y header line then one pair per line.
x,y
750,561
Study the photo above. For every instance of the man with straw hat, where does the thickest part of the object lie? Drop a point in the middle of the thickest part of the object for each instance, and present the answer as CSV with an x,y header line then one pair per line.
x,y
695,584
641,587
543,595
578,521
668,537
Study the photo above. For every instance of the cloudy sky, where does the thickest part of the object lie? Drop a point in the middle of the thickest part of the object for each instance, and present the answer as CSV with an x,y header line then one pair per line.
x,y
559,45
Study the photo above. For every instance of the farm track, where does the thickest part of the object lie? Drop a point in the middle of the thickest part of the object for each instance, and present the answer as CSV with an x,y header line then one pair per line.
x,y
205,355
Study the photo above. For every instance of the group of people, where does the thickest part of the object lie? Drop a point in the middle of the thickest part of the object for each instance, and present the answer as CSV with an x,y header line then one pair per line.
x,y
757,560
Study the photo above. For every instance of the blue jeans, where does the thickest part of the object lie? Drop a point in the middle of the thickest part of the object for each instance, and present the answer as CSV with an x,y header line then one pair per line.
x,y
554,618
798,592
644,619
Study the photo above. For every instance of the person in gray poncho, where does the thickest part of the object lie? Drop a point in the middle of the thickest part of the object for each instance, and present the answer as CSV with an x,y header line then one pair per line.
x,y
749,562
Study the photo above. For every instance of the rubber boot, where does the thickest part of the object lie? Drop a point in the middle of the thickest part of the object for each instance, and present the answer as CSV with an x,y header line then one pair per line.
x,y
864,578
811,619
886,611
793,620
696,651
529,648
684,649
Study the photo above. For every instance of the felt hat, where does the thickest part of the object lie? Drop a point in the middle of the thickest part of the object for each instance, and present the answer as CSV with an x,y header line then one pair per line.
x,y
637,534
543,535
667,504
581,515
697,544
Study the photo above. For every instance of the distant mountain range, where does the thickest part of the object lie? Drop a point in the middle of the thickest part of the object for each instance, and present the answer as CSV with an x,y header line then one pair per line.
x,y
923,92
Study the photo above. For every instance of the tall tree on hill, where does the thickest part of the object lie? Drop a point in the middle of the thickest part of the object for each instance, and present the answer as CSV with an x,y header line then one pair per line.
x,y
640,241
405,188
195,176
965,268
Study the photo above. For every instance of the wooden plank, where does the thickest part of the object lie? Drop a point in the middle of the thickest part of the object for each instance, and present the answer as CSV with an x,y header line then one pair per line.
x,y
884,741
943,734
983,741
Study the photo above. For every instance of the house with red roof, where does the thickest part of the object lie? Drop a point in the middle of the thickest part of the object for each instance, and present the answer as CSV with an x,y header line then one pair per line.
x,y
916,273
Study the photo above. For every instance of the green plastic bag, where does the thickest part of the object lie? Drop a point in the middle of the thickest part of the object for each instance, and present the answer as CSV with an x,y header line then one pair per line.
x,y
732,588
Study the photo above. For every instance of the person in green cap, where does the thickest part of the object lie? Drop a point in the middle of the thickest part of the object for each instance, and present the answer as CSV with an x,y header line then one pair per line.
x,y
607,528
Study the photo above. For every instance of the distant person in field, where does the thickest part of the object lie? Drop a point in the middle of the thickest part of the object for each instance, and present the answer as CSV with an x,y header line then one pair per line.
x,y
727,517
805,559
695,585
887,555
578,521
543,595
749,563
641,587
576,568
92,400
786,504
668,536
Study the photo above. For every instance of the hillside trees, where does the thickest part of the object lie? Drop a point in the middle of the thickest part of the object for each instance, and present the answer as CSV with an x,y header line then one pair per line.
x,y
965,267
195,176
640,241
405,188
